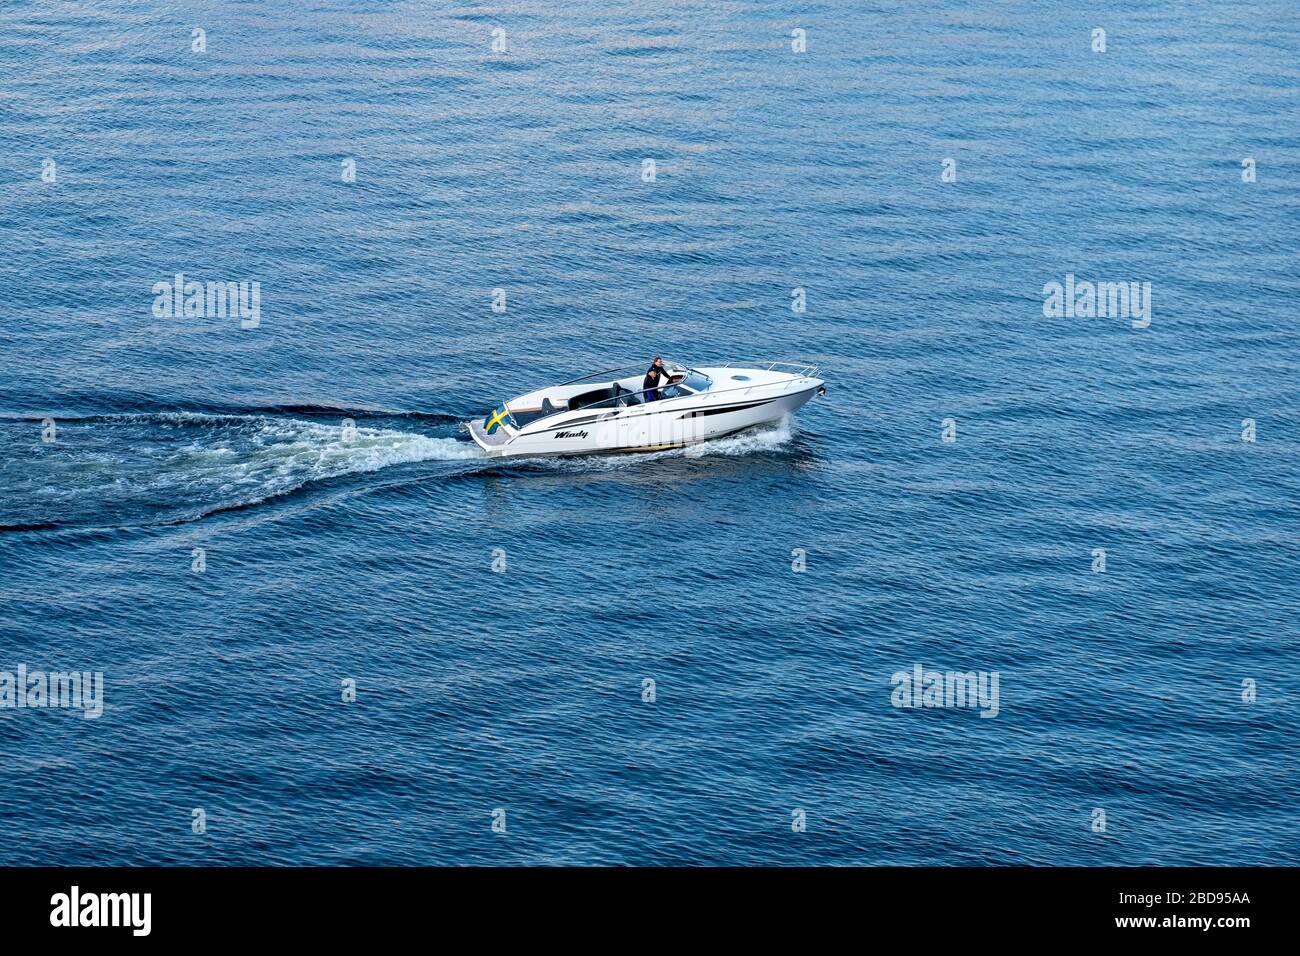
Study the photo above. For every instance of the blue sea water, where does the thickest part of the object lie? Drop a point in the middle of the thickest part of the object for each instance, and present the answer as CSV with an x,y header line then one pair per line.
x,y
372,560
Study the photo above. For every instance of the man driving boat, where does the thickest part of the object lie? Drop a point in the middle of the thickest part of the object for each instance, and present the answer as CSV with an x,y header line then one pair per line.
x,y
654,378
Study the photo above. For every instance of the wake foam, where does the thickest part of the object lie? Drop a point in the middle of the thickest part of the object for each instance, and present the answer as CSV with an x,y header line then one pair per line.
x,y
177,466
766,438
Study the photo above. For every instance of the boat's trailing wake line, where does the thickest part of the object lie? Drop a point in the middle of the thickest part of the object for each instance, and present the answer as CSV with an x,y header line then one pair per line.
x,y
334,413
175,466
134,469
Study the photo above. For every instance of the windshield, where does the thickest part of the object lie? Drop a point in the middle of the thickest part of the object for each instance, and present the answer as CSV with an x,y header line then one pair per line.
x,y
696,381
693,380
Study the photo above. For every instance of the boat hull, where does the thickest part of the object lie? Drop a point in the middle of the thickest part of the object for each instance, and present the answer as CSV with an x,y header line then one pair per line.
x,y
651,427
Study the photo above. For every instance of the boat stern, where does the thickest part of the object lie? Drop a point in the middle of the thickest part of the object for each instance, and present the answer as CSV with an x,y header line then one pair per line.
x,y
494,442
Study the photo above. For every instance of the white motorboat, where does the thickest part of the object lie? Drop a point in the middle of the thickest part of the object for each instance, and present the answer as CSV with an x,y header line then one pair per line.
x,y
611,412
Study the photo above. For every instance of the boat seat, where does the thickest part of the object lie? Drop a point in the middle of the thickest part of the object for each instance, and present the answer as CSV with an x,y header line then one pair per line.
x,y
548,408
590,398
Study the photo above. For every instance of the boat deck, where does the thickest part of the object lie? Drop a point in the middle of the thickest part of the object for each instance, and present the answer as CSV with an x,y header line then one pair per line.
x,y
497,438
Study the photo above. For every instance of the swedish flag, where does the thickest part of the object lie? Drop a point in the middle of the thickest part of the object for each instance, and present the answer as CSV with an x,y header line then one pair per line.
x,y
496,418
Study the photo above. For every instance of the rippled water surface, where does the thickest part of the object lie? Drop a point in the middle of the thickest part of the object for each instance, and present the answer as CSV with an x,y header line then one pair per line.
x,y
348,532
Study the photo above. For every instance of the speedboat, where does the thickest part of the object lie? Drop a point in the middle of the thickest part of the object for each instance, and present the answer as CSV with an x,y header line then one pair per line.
x,y
610,411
